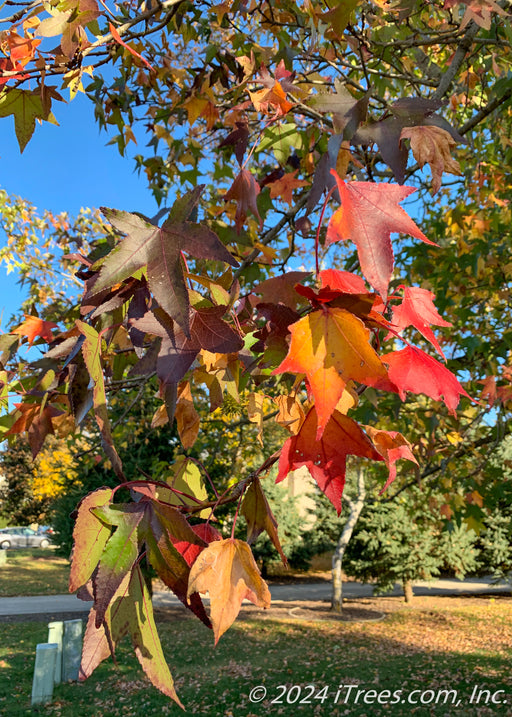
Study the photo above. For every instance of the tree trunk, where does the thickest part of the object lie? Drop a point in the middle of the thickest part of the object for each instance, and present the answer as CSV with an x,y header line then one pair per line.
x,y
356,506
407,588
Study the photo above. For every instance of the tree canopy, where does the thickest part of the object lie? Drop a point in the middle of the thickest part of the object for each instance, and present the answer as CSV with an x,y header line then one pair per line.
x,y
286,143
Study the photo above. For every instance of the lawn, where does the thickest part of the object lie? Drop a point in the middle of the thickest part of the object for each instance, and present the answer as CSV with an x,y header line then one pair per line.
x,y
33,572
462,645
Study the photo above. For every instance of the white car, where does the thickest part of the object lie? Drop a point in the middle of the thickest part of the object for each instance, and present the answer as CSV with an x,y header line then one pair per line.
x,y
22,537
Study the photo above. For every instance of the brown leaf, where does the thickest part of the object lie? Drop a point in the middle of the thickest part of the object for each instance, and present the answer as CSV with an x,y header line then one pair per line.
x,y
244,191
187,418
432,145
226,569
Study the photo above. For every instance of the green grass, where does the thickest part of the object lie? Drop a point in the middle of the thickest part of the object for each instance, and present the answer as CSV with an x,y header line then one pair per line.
x,y
444,644
33,572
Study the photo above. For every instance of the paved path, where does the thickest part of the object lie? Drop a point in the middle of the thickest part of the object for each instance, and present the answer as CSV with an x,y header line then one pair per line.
x,y
287,592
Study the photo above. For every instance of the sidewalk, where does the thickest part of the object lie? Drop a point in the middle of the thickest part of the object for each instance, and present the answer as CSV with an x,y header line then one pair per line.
x,y
288,592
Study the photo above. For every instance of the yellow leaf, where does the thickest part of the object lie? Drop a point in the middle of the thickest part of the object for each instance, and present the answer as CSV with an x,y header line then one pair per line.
x,y
187,479
291,414
195,106
255,412
226,569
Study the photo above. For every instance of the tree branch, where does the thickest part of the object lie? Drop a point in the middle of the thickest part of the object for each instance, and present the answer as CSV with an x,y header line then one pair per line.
x,y
458,58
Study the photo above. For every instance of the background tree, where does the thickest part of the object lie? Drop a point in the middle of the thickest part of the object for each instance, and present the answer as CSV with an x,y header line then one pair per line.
x,y
18,504
402,542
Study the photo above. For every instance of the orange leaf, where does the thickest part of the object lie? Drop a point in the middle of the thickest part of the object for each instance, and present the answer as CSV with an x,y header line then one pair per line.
x,y
187,418
392,446
331,346
291,413
274,97
33,326
284,187
226,569
22,49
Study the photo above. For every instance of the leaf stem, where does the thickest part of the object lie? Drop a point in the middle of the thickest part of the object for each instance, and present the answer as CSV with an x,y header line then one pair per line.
x,y
317,237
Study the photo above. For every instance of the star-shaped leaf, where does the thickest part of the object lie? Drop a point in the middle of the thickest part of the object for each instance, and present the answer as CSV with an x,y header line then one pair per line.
x,y
158,250
226,569
369,213
417,309
26,106
326,458
33,327
332,346
207,331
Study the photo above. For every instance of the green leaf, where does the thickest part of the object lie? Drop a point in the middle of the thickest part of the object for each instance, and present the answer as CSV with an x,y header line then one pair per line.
x,y
120,553
282,140
26,106
90,535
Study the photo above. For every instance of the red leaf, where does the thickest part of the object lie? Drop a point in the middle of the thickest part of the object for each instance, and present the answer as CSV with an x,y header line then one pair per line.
x,y
411,369
190,551
6,65
342,281
417,309
325,459
368,214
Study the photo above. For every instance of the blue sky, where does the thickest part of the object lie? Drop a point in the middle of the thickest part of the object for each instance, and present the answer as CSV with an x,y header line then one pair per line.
x,y
63,169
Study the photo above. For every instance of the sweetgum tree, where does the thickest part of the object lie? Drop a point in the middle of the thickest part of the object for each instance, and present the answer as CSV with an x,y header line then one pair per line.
x,y
283,141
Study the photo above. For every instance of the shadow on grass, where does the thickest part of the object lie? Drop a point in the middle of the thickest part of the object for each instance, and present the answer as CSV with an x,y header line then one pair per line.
x,y
33,572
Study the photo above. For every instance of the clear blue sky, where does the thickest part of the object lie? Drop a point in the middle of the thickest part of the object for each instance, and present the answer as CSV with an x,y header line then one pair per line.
x,y
63,169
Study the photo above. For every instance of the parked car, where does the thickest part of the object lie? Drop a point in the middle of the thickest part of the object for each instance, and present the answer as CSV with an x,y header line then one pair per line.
x,y
22,537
